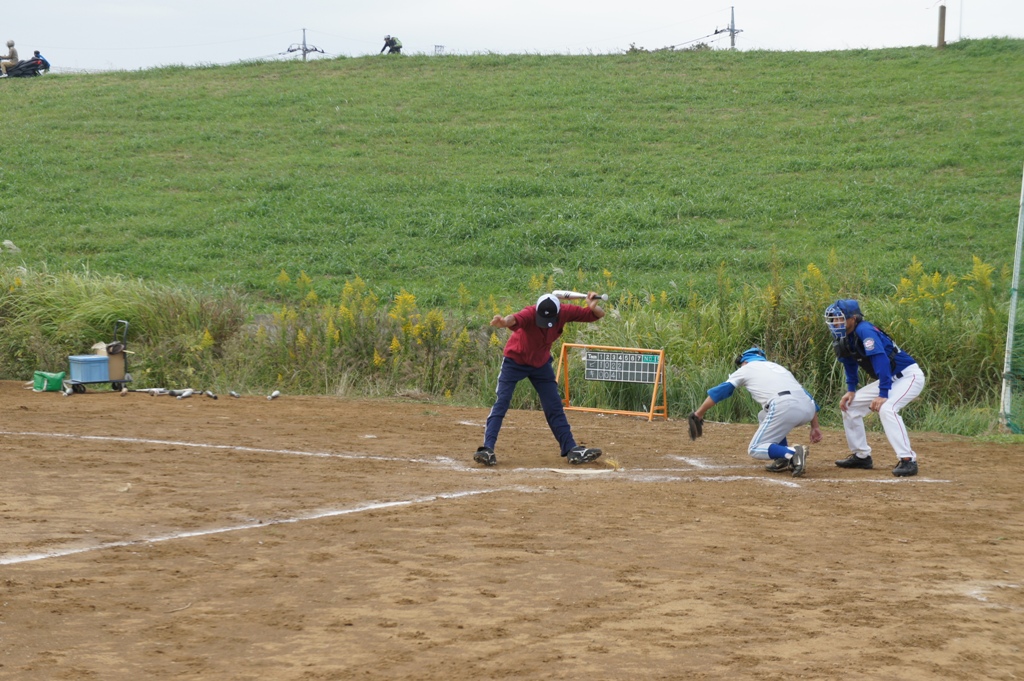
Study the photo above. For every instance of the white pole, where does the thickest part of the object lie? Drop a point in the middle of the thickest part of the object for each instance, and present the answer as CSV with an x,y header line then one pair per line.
x,y
732,28
1004,407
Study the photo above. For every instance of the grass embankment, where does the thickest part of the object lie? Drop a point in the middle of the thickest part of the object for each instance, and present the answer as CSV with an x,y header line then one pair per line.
x,y
426,173
704,182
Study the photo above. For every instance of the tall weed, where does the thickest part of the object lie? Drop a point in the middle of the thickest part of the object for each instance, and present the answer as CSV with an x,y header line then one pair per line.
x,y
364,344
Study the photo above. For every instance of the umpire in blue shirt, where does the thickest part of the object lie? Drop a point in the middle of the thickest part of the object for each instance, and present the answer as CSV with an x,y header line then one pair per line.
x,y
859,344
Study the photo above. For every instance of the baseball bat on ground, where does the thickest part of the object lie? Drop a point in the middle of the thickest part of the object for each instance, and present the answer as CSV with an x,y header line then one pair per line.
x,y
575,295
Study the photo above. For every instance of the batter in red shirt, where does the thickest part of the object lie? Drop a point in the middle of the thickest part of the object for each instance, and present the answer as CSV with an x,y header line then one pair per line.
x,y
528,355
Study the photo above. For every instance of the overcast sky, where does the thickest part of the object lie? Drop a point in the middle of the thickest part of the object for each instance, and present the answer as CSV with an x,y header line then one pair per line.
x,y
133,34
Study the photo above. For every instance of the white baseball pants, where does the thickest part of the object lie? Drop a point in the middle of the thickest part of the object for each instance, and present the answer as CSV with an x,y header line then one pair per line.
x,y
777,419
902,393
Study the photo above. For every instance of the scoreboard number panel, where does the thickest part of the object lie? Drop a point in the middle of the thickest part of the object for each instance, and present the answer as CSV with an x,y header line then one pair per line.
x,y
618,365
621,367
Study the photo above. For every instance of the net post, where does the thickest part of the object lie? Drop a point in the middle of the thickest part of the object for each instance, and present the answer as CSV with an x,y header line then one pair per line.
x,y
1007,394
563,361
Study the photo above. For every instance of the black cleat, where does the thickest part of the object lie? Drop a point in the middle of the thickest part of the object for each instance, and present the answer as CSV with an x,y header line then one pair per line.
x,y
581,454
854,461
485,455
905,468
799,460
779,465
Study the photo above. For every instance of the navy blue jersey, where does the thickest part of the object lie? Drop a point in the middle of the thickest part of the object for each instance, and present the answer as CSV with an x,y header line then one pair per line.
x,y
871,349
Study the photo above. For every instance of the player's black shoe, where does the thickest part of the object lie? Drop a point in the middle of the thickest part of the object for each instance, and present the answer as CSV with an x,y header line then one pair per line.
x,y
581,454
779,465
905,468
485,455
854,461
799,460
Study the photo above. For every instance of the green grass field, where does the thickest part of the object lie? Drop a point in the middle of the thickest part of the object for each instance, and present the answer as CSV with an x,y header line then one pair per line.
x,y
350,225
425,173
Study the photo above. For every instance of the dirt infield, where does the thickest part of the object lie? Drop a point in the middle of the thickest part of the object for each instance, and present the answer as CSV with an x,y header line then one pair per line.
x,y
319,538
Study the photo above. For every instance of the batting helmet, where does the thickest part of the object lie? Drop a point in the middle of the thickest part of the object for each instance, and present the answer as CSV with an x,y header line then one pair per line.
x,y
754,354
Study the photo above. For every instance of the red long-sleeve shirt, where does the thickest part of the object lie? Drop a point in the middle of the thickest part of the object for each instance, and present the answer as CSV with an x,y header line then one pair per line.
x,y
531,345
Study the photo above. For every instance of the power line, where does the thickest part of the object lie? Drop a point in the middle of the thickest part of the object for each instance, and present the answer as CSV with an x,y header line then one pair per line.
x,y
343,37
661,28
163,47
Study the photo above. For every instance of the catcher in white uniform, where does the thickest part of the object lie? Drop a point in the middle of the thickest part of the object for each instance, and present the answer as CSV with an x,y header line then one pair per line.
x,y
785,405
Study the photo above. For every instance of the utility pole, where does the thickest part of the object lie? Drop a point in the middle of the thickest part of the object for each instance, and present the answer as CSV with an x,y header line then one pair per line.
x,y
305,49
732,29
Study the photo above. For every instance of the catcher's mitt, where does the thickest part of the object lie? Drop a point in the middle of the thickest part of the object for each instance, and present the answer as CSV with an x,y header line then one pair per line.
x,y
696,424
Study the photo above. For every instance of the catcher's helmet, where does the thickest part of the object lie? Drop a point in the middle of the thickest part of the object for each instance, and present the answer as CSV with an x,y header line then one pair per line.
x,y
838,312
754,354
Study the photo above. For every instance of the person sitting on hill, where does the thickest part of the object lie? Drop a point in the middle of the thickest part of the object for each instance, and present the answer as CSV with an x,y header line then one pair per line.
x,y
392,44
10,59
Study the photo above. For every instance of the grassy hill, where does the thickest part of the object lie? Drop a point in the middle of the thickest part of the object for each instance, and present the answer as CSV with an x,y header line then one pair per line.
x,y
350,226
427,173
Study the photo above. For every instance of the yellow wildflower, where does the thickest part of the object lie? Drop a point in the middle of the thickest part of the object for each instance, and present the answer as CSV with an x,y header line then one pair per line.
x,y
464,298
207,342
462,341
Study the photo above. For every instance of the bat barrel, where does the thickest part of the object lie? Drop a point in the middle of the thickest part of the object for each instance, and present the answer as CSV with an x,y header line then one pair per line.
x,y
575,295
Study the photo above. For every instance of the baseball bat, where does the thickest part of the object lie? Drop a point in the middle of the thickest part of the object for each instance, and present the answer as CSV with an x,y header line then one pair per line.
x,y
575,295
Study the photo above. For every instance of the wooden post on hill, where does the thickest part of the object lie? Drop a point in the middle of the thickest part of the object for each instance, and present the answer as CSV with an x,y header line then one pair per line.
x,y
942,26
